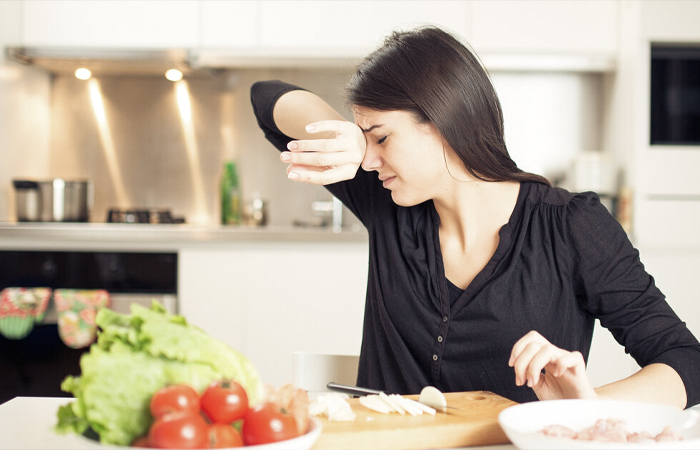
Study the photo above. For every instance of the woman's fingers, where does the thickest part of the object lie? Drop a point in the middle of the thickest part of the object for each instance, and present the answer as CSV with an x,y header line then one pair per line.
x,y
338,126
551,371
326,160
529,362
322,154
320,176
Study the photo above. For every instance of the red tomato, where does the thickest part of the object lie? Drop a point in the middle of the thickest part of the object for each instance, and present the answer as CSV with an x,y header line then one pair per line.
x,y
265,423
179,430
225,402
224,436
170,399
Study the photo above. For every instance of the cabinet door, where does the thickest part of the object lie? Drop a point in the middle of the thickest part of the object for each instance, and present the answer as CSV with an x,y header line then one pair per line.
x,y
271,299
231,24
350,28
303,297
111,23
571,26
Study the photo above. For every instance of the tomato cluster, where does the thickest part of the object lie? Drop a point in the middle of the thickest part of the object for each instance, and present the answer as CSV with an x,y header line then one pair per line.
x,y
183,419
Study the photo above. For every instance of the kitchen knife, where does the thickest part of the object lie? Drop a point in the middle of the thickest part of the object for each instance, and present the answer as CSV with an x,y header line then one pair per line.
x,y
351,390
356,390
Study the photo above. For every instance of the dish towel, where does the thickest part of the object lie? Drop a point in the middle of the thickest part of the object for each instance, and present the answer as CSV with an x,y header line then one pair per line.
x,y
76,311
20,309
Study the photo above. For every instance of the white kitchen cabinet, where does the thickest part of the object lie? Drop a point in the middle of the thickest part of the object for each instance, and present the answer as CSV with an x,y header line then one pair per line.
x,y
358,26
269,300
572,26
230,24
111,23
667,189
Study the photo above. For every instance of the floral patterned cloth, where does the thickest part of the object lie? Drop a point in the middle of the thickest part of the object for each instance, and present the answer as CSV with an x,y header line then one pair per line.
x,y
76,314
20,309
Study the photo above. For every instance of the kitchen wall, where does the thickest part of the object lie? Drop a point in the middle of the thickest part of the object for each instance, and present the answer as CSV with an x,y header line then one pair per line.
x,y
24,115
141,156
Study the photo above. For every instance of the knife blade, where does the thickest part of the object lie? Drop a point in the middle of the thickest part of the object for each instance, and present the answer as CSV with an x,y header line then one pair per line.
x,y
351,390
357,390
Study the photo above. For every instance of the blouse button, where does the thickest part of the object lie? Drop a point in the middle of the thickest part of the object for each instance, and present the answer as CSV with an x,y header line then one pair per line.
x,y
435,357
444,319
439,338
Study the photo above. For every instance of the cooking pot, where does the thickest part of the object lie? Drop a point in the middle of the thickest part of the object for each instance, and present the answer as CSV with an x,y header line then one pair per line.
x,y
56,200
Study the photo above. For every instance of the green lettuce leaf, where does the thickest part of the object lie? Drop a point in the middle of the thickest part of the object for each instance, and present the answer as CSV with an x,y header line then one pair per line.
x,y
134,356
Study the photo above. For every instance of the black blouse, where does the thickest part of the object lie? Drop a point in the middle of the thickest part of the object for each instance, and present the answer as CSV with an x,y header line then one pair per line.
x,y
562,261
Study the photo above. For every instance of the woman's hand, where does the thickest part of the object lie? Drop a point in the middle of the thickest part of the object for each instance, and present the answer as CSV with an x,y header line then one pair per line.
x,y
553,373
326,161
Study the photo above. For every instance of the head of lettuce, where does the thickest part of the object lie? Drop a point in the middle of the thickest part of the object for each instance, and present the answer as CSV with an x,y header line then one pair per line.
x,y
134,356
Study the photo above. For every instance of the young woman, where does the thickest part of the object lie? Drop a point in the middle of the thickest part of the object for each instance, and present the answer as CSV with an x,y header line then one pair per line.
x,y
481,276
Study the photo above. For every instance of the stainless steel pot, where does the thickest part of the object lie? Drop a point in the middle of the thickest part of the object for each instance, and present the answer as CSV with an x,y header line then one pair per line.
x,y
56,200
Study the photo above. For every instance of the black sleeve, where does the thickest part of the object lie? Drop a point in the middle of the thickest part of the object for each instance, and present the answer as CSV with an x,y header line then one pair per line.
x,y
360,194
263,96
615,287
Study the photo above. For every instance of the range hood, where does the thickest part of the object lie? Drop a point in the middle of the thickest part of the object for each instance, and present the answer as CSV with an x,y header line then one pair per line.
x,y
203,61
102,61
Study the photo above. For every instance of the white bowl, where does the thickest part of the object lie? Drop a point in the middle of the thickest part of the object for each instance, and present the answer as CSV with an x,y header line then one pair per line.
x,y
304,442
521,423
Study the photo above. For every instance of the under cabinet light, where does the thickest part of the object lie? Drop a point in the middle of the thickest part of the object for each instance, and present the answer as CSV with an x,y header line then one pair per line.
x,y
83,73
173,75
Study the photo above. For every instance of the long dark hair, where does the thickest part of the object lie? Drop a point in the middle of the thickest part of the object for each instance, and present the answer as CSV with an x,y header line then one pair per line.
x,y
430,73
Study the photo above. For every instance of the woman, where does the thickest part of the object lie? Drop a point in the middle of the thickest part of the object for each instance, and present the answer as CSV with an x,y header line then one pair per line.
x,y
481,276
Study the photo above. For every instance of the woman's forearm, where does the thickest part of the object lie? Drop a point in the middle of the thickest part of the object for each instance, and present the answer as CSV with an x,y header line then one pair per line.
x,y
296,109
656,383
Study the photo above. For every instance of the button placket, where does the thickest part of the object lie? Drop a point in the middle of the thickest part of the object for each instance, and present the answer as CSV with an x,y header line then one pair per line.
x,y
439,347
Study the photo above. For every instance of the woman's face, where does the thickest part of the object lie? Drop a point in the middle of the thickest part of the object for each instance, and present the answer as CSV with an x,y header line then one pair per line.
x,y
407,155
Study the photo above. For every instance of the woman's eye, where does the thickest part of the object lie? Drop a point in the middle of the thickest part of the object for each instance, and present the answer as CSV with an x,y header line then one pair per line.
x,y
381,141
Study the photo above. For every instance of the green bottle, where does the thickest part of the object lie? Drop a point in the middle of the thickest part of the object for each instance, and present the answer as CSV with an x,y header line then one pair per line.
x,y
230,195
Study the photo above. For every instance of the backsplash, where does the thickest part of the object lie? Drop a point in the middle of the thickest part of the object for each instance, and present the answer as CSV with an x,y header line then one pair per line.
x,y
131,136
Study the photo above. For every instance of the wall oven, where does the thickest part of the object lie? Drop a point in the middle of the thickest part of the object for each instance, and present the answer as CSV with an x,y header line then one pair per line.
x,y
35,365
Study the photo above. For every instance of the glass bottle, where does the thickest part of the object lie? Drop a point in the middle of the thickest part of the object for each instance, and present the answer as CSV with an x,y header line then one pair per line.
x,y
230,195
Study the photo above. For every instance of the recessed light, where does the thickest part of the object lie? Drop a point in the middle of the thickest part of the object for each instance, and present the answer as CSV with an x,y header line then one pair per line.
x,y
173,75
83,73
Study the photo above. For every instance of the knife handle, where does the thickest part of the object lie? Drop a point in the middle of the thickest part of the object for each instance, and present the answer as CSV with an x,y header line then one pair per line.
x,y
352,390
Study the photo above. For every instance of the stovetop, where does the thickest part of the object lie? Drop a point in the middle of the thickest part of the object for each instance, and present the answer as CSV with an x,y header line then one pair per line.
x,y
142,215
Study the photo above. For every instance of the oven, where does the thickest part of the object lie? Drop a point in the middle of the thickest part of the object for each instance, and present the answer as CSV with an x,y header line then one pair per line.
x,y
36,363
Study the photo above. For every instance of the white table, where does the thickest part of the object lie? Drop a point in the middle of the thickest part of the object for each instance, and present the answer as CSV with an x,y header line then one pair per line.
x,y
26,423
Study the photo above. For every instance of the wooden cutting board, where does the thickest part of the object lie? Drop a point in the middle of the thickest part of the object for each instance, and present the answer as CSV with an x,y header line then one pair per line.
x,y
474,422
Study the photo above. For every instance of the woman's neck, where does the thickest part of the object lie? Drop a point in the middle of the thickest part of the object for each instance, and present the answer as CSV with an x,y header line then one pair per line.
x,y
473,210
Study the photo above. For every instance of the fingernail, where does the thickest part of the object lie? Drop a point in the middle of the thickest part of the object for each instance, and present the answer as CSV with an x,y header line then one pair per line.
x,y
293,176
286,157
310,127
292,145
529,382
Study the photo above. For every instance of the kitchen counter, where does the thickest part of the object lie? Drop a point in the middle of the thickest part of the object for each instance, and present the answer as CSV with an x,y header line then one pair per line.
x,y
33,235
27,424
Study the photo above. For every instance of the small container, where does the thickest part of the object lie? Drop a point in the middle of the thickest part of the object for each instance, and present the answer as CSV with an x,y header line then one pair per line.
x,y
255,213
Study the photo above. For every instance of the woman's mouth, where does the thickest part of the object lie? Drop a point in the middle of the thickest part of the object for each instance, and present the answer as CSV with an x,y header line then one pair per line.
x,y
387,181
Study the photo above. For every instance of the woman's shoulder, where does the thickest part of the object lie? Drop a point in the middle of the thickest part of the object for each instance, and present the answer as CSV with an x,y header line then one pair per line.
x,y
555,196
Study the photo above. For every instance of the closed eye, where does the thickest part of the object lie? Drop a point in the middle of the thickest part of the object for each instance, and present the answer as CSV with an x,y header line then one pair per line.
x,y
381,141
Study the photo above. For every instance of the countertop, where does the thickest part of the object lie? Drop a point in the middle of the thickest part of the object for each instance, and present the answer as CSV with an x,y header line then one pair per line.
x,y
27,424
59,234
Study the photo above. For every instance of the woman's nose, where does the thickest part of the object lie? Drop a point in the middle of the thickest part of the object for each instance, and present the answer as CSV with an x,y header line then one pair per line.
x,y
372,160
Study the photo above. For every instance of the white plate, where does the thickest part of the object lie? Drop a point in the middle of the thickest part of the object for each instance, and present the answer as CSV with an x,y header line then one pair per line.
x,y
521,423
304,442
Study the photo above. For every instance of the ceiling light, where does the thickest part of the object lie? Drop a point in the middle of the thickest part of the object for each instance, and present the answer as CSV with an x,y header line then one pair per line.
x,y
173,75
83,73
